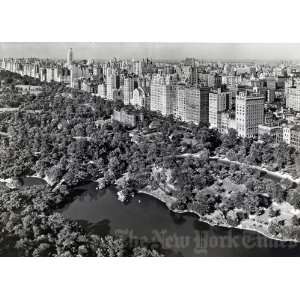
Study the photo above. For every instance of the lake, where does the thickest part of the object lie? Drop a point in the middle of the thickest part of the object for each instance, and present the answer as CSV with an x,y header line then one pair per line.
x,y
147,219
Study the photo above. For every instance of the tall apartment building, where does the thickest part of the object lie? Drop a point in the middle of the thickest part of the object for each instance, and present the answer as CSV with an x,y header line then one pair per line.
x,y
231,81
249,113
286,133
111,85
293,97
186,73
61,74
226,122
102,92
197,105
138,67
295,137
163,94
218,102
70,57
192,104
180,106
3,63
50,74
270,95
214,81
128,89
75,71
194,76
138,97
271,83
36,70
97,70
43,74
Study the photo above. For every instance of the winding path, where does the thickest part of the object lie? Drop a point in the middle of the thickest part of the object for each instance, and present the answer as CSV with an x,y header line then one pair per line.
x,y
226,160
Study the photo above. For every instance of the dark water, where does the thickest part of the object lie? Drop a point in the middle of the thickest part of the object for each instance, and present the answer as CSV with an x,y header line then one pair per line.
x,y
28,181
147,219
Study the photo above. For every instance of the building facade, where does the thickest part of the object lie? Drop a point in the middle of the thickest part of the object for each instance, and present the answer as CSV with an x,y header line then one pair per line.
x,y
276,132
127,118
138,97
163,95
70,57
192,104
293,97
249,113
295,137
218,102
128,89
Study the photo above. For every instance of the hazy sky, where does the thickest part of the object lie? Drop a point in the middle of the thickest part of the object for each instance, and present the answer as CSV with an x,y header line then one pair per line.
x,y
153,50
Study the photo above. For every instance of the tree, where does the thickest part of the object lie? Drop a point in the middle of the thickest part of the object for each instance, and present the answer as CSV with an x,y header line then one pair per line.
x,y
274,212
251,203
281,154
231,155
232,218
294,199
204,204
278,193
255,155
230,140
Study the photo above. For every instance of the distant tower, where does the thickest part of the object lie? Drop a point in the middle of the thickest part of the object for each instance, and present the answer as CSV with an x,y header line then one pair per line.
x,y
70,57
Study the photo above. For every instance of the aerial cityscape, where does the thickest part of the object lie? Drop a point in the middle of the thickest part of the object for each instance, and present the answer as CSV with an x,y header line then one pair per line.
x,y
149,156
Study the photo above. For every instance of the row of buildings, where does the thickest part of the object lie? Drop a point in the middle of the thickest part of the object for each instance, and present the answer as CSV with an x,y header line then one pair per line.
x,y
250,98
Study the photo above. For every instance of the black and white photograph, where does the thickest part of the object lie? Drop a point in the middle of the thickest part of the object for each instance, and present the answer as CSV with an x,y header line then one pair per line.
x,y
157,135
106,155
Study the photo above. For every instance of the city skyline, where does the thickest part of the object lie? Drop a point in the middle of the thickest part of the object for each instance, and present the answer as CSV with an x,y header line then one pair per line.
x,y
156,51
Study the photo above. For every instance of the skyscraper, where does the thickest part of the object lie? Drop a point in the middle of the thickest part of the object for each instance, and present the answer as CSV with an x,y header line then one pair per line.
x,y
292,91
112,83
218,103
102,92
138,97
197,105
128,89
163,94
249,113
180,101
70,57
192,104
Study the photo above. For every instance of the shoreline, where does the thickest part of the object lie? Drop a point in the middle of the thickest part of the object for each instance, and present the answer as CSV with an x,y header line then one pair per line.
x,y
9,182
168,201
46,179
161,196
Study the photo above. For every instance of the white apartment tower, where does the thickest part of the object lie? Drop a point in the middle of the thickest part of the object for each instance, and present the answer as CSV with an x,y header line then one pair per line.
x,y
138,97
111,85
293,96
102,92
128,89
218,102
249,113
163,94
180,102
